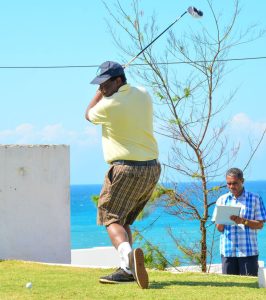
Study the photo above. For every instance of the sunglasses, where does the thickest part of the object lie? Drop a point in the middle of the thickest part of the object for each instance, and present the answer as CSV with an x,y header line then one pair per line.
x,y
107,83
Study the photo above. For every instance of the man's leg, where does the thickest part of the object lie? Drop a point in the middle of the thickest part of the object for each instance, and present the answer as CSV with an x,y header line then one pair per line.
x,y
122,240
230,265
118,234
132,261
137,184
248,266
129,234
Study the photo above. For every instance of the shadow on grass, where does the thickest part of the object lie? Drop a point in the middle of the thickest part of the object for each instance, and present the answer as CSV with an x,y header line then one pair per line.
x,y
163,284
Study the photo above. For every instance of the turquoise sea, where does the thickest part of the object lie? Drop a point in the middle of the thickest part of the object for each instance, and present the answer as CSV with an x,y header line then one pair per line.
x,y
86,234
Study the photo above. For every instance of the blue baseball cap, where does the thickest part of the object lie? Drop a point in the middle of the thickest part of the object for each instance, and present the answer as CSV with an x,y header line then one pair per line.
x,y
107,70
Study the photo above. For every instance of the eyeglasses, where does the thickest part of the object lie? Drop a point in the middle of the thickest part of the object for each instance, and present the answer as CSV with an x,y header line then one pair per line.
x,y
233,183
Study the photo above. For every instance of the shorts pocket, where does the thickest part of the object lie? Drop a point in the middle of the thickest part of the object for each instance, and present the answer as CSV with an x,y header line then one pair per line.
x,y
109,174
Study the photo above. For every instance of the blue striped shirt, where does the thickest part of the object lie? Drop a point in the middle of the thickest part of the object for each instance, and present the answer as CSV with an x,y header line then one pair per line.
x,y
240,240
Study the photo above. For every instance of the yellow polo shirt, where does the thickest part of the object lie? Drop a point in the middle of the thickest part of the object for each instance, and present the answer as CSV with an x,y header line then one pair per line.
x,y
127,125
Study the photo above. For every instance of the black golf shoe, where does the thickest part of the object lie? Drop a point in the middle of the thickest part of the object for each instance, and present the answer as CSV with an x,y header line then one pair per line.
x,y
119,276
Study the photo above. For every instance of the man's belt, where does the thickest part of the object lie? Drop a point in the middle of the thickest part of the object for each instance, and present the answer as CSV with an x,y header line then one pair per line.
x,y
152,162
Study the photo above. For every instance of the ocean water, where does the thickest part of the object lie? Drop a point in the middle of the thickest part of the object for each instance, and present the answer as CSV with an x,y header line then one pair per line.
x,y
86,234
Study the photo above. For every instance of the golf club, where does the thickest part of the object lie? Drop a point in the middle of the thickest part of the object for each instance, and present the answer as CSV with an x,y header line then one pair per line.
x,y
191,10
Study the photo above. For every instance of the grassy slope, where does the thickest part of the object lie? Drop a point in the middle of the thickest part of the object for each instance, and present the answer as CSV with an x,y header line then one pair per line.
x,y
56,282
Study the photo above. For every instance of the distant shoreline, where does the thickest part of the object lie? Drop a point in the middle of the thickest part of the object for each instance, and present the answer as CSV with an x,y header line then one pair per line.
x,y
185,182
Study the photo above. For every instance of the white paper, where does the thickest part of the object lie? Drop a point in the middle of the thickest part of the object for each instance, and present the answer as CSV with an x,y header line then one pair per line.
x,y
224,212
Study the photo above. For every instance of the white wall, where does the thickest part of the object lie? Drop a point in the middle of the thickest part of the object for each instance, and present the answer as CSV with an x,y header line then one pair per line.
x,y
34,203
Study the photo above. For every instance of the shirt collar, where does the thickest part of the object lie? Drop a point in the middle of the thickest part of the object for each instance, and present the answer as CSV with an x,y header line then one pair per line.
x,y
124,88
242,194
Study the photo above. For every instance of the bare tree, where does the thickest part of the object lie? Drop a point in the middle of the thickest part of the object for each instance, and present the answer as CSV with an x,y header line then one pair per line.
x,y
188,105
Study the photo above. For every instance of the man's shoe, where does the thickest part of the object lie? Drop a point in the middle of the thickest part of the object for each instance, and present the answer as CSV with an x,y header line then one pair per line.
x,y
119,276
137,267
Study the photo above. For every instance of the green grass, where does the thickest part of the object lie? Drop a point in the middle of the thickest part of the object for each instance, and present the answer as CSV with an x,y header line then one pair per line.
x,y
57,282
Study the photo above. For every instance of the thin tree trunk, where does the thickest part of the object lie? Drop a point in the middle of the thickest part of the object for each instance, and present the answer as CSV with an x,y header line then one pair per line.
x,y
203,247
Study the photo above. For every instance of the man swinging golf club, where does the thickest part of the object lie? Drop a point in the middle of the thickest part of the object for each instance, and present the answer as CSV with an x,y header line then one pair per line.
x,y
126,115
129,146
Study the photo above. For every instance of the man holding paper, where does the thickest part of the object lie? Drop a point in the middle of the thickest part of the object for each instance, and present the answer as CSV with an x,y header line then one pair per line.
x,y
238,241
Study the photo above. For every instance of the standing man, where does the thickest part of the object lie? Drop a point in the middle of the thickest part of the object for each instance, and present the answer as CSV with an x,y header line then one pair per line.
x,y
238,243
129,146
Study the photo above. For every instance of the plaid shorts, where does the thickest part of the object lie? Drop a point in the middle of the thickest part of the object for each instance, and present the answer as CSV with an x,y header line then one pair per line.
x,y
125,192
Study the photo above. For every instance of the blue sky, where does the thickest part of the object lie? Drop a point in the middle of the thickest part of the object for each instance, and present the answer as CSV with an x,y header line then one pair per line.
x,y
47,105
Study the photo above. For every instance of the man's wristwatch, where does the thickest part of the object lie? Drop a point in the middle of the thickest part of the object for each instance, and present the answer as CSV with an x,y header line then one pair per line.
x,y
246,222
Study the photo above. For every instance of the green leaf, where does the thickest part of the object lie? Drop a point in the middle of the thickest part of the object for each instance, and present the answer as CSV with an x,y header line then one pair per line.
x,y
175,98
159,95
215,188
95,199
176,262
187,92
175,121
158,192
196,175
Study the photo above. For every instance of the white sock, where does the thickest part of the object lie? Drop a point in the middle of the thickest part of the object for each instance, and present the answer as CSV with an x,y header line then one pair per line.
x,y
124,249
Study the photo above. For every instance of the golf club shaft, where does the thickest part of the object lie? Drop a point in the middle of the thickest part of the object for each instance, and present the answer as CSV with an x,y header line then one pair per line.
x,y
126,65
